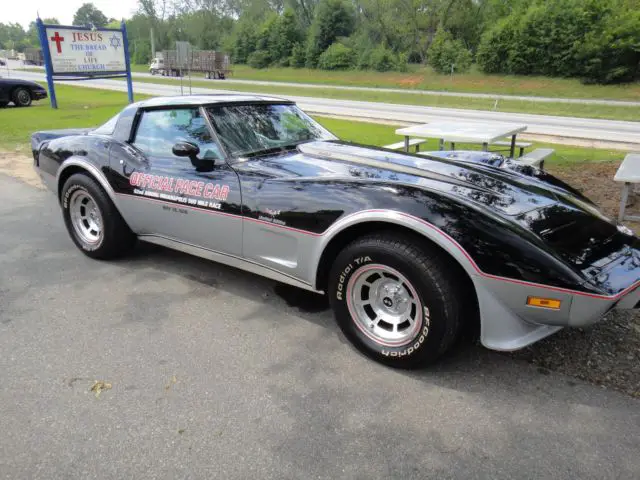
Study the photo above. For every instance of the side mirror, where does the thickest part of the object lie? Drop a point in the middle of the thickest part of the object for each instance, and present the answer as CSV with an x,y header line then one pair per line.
x,y
191,150
186,149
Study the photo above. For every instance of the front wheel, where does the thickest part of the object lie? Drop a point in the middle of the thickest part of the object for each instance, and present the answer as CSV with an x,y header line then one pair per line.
x,y
22,97
92,220
396,301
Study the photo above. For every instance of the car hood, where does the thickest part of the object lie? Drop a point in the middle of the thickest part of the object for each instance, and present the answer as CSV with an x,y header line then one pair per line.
x,y
499,189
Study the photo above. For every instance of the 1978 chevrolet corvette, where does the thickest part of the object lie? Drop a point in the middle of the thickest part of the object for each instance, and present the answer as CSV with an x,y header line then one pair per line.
x,y
409,248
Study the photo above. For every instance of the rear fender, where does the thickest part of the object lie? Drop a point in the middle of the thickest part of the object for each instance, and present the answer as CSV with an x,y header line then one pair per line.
x,y
74,164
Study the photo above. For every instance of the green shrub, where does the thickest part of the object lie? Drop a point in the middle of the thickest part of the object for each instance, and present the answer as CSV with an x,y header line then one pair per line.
x,y
382,59
446,52
259,59
298,56
332,19
493,51
336,57
597,41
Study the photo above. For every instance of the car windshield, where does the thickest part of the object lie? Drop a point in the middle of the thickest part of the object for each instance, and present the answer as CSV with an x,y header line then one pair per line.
x,y
246,130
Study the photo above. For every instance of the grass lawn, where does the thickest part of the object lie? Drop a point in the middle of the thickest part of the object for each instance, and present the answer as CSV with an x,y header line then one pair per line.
x,y
519,106
79,107
424,78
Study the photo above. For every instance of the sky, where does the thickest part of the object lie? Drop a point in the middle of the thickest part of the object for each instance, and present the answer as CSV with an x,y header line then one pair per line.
x,y
26,11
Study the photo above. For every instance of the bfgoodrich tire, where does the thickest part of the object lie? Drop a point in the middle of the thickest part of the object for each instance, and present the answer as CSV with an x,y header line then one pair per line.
x,y
397,302
92,220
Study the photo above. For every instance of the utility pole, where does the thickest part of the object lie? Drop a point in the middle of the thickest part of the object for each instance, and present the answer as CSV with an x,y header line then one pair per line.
x,y
153,44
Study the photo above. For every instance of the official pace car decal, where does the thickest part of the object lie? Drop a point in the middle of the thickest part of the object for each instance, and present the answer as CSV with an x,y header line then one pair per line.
x,y
200,194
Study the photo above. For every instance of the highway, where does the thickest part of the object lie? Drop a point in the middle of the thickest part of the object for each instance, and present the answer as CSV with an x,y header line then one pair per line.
x,y
569,129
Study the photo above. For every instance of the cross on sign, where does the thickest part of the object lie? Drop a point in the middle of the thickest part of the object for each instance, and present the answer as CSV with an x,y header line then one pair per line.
x,y
58,39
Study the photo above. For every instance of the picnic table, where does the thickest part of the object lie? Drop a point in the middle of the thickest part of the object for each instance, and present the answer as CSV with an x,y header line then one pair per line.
x,y
629,175
464,132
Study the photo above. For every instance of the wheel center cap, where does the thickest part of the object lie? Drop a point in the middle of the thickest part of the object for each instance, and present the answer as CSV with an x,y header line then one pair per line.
x,y
387,302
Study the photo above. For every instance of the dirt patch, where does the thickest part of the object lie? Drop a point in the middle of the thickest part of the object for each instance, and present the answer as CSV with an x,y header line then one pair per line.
x,y
607,353
595,180
410,82
20,166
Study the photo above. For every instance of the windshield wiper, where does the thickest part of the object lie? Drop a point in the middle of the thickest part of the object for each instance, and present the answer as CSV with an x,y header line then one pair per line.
x,y
268,150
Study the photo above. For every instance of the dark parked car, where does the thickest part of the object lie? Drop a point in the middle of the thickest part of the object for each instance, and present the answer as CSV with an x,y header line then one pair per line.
x,y
20,92
409,248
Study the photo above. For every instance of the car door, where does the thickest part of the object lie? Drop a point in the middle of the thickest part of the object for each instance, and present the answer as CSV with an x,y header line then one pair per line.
x,y
4,90
166,196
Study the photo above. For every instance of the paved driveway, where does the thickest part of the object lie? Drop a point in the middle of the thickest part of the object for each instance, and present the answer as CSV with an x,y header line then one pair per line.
x,y
215,376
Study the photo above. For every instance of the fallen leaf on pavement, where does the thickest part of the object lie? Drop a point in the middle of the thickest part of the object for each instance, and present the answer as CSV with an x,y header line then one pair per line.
x,y
172,381
98,386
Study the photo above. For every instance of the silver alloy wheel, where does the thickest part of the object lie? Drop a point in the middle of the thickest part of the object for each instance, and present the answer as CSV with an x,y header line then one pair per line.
x,y
384,305
86,217
23,97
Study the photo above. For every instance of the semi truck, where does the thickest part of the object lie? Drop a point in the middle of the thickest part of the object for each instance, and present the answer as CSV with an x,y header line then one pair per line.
x,y
33,56
214,65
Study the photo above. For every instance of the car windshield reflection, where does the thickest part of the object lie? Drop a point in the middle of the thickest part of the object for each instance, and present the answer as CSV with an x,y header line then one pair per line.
x,y
247,130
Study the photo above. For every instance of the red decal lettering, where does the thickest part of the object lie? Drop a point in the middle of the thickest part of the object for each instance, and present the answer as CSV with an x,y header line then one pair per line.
x,y
193,186
216,192
155,181
164,184
133,179
224,193
180,185
199,190
208,190
170,186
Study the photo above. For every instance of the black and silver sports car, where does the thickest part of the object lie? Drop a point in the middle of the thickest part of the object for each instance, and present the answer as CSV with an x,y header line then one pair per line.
x,y
409,248
21,92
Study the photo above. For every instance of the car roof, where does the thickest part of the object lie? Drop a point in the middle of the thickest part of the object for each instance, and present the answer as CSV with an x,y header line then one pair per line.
x,y
208,100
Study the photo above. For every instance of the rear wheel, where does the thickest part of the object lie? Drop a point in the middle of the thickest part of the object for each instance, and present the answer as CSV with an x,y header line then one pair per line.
x,y
22,97
92,220
397,302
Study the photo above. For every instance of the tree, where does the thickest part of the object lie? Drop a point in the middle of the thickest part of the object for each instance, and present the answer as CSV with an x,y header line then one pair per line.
x,y
446,54
88,14
333,19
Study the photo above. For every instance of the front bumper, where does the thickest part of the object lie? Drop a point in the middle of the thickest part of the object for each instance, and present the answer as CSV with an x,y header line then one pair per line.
x,y
508,323
39,95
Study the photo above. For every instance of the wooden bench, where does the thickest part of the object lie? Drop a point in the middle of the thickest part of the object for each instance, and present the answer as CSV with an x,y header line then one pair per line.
x,y
400,145
536,158
628,174
500,143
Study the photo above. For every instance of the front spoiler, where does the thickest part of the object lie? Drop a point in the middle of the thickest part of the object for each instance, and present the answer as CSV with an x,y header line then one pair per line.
x,y
508,323
629,301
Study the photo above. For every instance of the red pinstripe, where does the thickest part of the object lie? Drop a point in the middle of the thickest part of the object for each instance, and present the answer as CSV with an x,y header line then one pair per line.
x,y
420,220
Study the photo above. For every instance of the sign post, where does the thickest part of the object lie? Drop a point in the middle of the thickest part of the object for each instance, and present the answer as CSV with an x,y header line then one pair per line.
x,y
82,53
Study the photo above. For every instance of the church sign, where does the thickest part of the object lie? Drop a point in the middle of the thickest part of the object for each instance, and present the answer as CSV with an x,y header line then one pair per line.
x,y
84,53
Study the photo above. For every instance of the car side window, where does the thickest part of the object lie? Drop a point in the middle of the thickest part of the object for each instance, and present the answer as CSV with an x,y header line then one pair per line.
x,y
159,130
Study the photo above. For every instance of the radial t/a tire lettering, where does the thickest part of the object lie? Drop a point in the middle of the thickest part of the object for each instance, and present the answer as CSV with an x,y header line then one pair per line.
x,y
396,301
92,220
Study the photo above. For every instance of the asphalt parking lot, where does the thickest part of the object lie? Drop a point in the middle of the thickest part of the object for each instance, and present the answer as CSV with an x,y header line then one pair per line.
x,y
216,373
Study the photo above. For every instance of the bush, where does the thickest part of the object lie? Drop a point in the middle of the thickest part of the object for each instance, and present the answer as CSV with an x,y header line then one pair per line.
x,y
259,59
597,41
612,54
382,59
332,19
445,52
493,51
298,56
336,57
